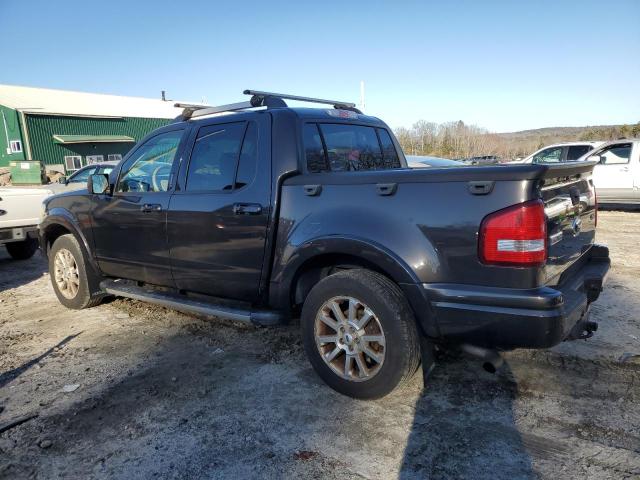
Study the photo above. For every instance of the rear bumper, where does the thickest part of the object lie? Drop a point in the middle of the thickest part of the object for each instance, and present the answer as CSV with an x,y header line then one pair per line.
x,y
505,318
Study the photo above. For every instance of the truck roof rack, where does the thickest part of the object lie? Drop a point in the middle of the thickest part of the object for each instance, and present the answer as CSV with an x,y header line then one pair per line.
x,y
258,99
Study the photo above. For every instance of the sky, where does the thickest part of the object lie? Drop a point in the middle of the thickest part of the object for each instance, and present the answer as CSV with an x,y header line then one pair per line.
x,y
502,65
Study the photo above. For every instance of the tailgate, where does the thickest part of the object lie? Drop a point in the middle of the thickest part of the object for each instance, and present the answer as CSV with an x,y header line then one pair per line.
x,y
20,207
570,206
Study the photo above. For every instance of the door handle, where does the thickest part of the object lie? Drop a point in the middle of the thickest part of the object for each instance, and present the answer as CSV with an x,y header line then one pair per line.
x,y
624,169
247,209
151,207
312,190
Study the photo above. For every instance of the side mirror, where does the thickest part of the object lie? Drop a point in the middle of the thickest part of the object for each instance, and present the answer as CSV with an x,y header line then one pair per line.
x,y
62,180
98,184
595,158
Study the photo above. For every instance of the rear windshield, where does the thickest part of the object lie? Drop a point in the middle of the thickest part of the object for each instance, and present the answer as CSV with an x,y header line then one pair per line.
x,y
342,147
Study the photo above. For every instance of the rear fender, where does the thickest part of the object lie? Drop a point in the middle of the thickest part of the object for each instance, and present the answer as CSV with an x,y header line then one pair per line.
x,y
293,261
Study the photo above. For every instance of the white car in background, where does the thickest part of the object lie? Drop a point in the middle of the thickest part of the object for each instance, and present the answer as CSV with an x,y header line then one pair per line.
x,y
617,175
561,152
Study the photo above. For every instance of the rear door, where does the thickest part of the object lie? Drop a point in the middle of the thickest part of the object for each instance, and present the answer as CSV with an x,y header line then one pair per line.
x,y
130,226
218,218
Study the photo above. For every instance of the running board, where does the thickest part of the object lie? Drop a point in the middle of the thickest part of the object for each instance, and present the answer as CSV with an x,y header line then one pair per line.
x,y
123,288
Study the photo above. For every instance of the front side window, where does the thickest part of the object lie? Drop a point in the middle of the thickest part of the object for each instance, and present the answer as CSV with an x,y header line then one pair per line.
x,y
615,154
576,151
82,176
104,170
149,167
548,155
214,157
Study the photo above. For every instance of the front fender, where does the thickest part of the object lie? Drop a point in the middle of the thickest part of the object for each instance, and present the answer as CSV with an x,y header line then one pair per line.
x,y
60,217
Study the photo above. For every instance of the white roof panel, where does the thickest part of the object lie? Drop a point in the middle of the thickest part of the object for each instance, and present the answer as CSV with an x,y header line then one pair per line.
x,y
65,102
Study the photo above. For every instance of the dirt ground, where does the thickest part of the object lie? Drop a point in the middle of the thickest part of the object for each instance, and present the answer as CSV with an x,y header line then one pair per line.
x,y
160,394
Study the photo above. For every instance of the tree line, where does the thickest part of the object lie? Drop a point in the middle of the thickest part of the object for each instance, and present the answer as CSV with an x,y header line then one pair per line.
x,y
459,140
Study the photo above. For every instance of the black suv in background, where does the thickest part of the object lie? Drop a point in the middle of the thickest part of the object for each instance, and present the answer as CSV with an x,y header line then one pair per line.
x,y
260,212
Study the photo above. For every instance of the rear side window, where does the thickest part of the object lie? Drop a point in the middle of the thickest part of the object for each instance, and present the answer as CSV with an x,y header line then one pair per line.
x,y
313,149
214,157
248,157
344,147
389,153
576,151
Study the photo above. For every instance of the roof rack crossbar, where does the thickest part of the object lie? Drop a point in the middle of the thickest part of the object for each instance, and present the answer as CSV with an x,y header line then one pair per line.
x,y
335,103
258,99
192,110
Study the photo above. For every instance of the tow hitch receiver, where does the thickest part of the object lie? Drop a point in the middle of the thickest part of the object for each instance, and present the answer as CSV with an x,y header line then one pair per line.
x,y
583,329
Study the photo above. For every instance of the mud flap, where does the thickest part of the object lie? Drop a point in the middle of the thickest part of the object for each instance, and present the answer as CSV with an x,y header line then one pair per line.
x,y
428,356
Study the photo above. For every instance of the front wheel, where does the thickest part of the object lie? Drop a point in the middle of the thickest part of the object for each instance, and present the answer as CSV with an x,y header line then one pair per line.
x,y
360,334
75,283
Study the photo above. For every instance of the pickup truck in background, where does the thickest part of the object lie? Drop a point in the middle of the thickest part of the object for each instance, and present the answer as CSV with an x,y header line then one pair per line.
x,y
259,212
560,152
617,173
20,211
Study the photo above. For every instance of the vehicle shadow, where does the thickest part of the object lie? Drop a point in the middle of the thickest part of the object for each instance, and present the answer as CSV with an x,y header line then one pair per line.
x,y
204,405
14,273
464,426
11,375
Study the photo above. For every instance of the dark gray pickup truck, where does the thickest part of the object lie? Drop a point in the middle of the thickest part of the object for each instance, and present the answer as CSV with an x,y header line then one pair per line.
x,y
259,212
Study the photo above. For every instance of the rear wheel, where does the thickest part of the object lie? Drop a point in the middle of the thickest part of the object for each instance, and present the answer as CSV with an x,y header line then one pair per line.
x,y
360,334
75,284
22,250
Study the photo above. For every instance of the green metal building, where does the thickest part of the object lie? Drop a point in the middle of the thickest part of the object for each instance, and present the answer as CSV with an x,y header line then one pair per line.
x,y
67,130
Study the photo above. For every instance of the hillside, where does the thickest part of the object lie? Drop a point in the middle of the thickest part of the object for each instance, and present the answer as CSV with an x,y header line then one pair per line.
x,y
458,140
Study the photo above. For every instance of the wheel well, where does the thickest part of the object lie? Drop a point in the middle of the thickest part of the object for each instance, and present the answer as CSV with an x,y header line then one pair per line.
x,y
317,268
53,232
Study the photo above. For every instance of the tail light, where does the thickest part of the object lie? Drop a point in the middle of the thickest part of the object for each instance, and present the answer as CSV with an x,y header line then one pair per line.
x,y
515,236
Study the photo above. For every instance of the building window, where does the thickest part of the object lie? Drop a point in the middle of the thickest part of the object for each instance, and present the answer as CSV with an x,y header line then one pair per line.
x,y
72,162
114,157
94,159
16,146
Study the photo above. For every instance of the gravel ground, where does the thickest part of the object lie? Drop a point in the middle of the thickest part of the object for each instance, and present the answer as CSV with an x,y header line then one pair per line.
x,y
156,393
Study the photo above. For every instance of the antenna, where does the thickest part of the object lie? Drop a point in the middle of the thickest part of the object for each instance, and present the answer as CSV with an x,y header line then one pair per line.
x,y
362,104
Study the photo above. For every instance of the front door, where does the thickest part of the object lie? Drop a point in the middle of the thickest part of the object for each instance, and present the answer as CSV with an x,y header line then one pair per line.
x,y
218,215
613,176
130,226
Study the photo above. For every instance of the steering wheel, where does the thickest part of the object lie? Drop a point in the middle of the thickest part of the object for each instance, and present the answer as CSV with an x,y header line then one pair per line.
x,y
154,179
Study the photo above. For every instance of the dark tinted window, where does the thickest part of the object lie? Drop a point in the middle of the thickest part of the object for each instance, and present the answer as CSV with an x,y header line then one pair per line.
x,y
576,151
214,157
389,153
313,149
351,147
248,157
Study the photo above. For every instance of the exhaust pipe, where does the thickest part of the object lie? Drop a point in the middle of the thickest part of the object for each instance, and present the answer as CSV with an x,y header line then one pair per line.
x,y
491,359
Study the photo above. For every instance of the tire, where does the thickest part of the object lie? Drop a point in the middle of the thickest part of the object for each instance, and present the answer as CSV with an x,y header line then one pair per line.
x,y
82,283
22,250
360,294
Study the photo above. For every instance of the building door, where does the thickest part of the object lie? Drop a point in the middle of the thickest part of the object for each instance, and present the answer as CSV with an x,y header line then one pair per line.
x,y
129,227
